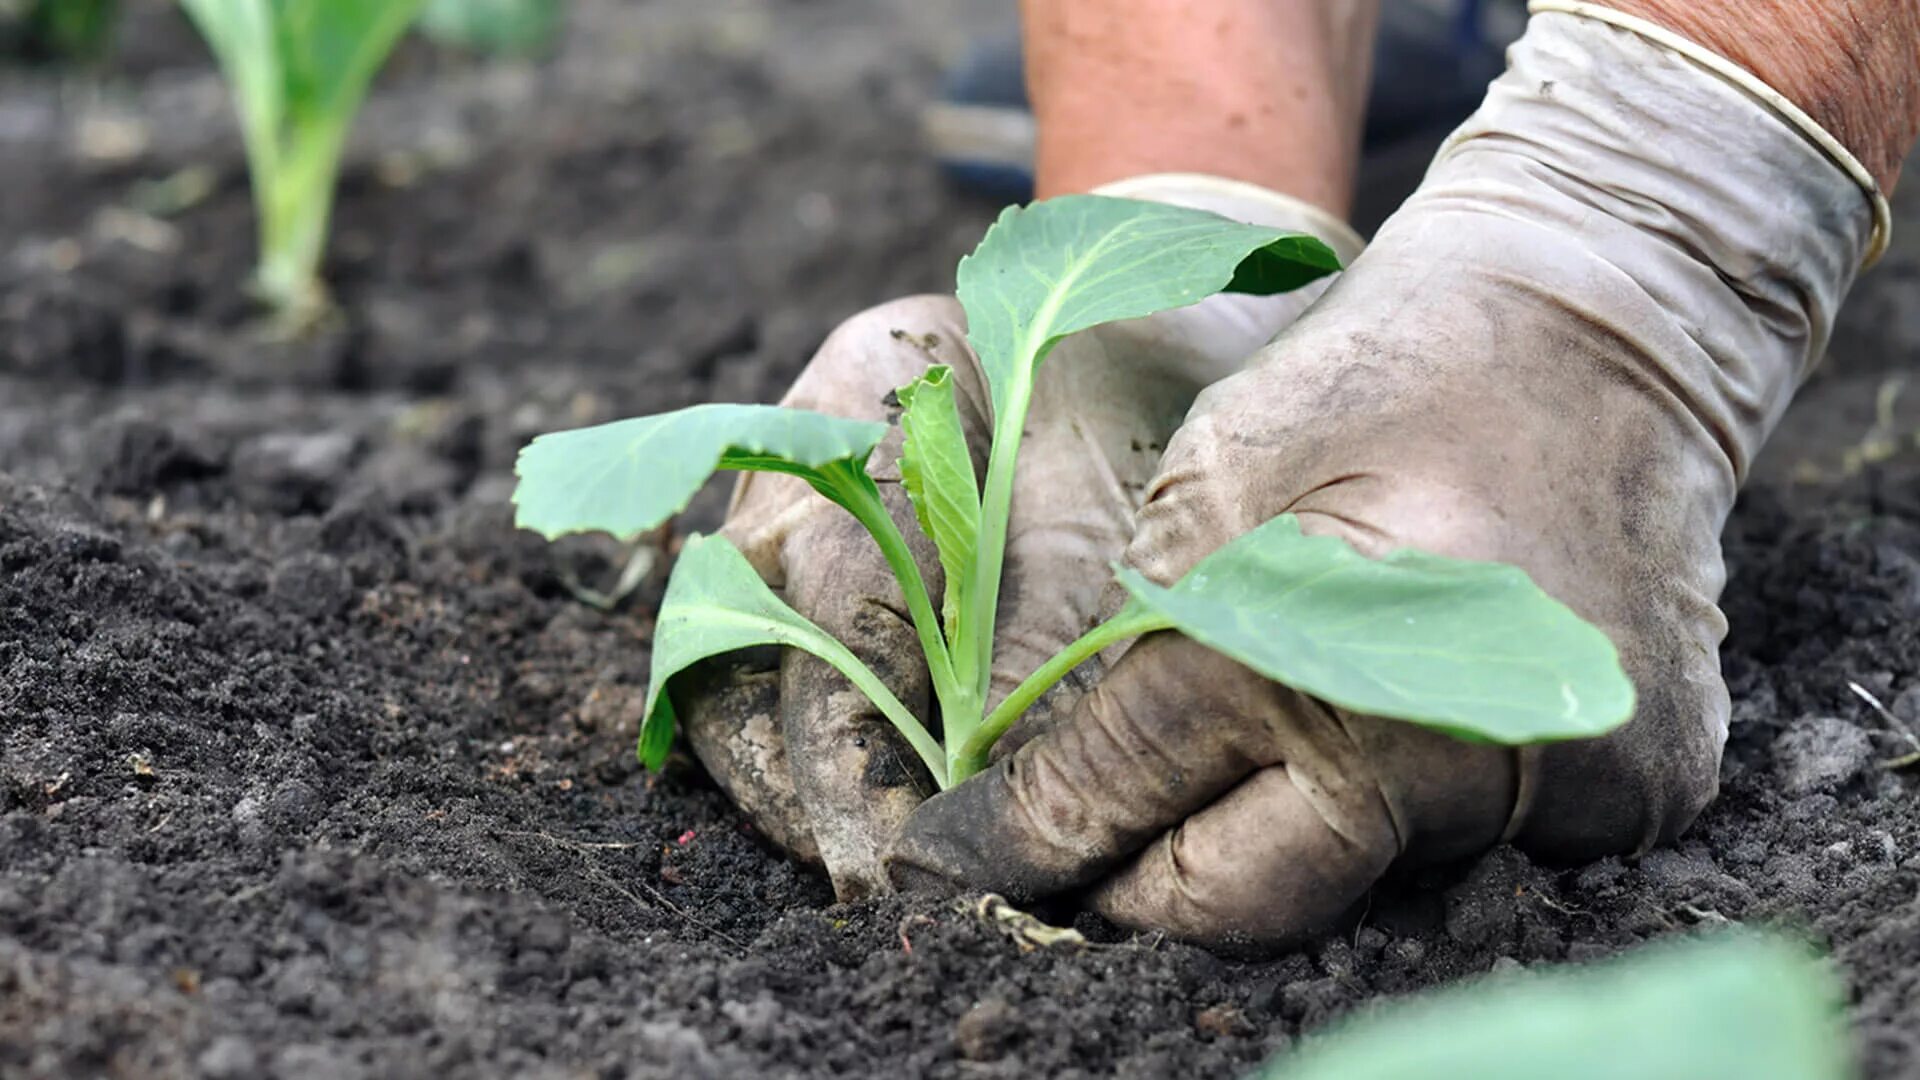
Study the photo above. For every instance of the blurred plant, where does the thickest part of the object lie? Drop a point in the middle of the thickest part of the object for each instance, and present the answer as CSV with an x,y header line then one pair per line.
x,y
506,27
57,29
298,71
1748,1006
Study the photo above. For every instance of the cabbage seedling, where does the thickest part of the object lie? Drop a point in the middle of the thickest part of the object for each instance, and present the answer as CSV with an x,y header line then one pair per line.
x,y
1473,649
298,71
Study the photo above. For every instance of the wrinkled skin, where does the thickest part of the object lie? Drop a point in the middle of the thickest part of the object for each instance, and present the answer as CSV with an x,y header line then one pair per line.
x,y
1562,354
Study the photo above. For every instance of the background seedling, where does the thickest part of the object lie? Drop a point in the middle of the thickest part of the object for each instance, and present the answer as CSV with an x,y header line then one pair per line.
x,y
1472,649
298,71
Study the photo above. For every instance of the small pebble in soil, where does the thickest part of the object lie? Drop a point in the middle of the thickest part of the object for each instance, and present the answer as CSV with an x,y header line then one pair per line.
x,y
1821,753
987,1031
229,1057
1222,1022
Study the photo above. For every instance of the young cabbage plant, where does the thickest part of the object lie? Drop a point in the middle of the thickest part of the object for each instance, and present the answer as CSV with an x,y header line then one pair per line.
x,y
298,71
1473,649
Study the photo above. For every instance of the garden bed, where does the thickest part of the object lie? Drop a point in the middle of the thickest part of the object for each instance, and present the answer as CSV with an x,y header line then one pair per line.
x,y
311,766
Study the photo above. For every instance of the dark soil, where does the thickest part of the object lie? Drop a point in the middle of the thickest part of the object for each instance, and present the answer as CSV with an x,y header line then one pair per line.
x,y
311,767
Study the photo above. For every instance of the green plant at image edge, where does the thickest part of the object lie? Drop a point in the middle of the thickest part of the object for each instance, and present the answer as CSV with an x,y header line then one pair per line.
x,y
1732,1006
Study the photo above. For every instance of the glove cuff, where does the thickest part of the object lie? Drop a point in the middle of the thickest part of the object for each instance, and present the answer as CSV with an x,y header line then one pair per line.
x,y
1655,201
1760,91
1240,201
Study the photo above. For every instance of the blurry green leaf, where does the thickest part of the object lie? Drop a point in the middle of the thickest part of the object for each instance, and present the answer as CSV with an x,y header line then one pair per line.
x,y
491,26
1731,1008
1473,649
69,29
937,470
629,476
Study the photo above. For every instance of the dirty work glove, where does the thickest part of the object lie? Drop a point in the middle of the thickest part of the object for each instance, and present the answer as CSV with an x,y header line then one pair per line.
x,y
1562,353
817,767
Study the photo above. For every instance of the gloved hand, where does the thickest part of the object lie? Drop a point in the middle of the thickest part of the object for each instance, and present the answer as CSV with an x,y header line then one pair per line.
x,y
1562,353
817,767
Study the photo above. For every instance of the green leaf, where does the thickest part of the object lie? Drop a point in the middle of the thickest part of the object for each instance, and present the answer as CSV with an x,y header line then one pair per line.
x,y
1066,264
716,603
1073,262
937,469
1473,649
629,476
1743,1006
491,26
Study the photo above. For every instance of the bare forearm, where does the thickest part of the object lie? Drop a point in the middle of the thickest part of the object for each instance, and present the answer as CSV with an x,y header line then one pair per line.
x,y
1267,91
1853,65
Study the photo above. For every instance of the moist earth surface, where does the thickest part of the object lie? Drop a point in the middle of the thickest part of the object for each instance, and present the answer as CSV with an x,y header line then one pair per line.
x,y
310,766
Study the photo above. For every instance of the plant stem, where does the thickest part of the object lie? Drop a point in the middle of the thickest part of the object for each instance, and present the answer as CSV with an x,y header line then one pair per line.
x,y
863,678
958,705
974,652
964,758
295,203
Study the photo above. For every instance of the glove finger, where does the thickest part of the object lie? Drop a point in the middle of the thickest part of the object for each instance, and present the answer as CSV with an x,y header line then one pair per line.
x,y
854,774
1260,868
730,712
1169,729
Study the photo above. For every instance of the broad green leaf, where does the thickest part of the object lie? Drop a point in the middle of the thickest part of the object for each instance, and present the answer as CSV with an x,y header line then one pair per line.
x,y
1751,1007
1069,263
938,472
494,26
716,603
1474,649
629,476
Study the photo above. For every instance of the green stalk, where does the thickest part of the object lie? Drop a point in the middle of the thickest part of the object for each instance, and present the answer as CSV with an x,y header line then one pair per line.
x,y
294,198
826,648
973,651
996,501
862,499
964,758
